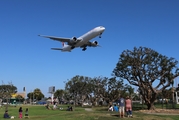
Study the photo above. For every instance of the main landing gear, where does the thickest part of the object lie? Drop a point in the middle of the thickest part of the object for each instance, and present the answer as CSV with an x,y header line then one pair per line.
x,y
84,49
72,47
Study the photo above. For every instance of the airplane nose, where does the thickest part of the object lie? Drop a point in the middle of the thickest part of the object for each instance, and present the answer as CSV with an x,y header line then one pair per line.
x,y
102,29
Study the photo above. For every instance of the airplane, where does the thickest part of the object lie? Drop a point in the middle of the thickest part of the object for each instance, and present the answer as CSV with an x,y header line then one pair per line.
x,y
82,41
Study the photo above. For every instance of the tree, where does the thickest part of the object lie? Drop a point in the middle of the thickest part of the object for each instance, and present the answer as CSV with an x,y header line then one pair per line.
x,y
30,95
59,94
144,66
6,91
19,98
36,94
66,96
95,90
78,88
98,86
114,89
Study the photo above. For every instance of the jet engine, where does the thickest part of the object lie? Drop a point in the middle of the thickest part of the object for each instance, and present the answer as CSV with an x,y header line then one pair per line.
x,y
73,39
94,43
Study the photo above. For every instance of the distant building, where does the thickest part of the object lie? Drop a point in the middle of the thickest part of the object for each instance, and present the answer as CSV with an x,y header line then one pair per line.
x,y
23,94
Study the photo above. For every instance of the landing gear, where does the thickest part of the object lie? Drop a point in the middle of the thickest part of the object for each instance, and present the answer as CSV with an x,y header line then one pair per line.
x,y
84,49
100,35
72,47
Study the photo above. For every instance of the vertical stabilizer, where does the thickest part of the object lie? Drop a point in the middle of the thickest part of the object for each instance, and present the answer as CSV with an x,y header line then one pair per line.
x,y
63,44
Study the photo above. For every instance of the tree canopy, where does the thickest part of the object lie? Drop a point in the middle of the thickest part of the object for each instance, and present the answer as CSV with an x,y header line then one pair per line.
x,y
142,67
6,91
94,90
36,94
59,94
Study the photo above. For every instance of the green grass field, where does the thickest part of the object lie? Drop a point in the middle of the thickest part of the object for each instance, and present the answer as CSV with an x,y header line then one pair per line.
x,y
96,113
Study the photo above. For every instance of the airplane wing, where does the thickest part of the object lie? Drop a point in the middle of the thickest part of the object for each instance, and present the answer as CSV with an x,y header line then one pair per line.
x,y
70,41
57,38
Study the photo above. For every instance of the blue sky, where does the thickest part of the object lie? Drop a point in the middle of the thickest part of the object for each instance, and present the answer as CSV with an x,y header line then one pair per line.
x,y
27,61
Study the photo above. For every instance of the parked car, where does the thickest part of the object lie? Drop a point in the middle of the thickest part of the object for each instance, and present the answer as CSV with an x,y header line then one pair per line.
x,y
41,102
4,103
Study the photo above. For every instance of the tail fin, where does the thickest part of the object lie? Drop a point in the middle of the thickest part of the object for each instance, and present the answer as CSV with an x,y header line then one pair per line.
x,y
63,44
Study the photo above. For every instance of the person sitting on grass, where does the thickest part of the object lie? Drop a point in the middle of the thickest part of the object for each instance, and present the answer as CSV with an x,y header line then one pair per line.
x,y
110,108
47,106
6,115
26,113
116,108
69,108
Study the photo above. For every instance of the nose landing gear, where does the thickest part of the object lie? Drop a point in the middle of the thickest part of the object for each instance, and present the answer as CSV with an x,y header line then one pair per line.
x,y
100,35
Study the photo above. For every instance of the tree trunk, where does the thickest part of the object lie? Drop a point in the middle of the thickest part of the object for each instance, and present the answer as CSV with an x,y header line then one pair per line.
x,y
7,102
150,106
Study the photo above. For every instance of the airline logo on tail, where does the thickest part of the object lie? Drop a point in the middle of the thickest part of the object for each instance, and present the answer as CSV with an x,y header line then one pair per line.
x,y
63,44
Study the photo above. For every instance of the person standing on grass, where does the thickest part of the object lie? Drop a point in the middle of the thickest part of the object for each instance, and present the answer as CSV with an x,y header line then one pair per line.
x,y
121,103
128,103
20,112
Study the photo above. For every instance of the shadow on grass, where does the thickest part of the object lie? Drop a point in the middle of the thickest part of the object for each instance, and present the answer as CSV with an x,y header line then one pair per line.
x,y
115,115
138,108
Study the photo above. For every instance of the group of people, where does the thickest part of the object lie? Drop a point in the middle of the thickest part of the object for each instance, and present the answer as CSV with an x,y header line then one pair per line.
x,y
115,108
54,106
6,115
124,105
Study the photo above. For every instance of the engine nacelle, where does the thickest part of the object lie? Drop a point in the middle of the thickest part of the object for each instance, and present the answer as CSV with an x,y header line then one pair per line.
x,y
94,43
73,39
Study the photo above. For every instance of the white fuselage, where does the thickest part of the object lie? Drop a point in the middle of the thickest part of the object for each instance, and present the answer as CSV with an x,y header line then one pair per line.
x,y
90,35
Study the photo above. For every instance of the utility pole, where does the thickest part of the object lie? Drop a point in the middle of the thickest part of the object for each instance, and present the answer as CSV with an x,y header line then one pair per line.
x,y
33,98
172,95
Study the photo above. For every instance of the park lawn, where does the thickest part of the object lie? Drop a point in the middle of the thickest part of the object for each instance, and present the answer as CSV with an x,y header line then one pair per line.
x,y
97,113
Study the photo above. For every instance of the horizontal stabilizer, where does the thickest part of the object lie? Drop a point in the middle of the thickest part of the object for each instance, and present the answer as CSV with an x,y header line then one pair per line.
x,y
56,48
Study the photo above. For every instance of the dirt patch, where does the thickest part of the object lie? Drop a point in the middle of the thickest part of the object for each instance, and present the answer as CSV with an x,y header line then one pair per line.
x,y
88,109
161,111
